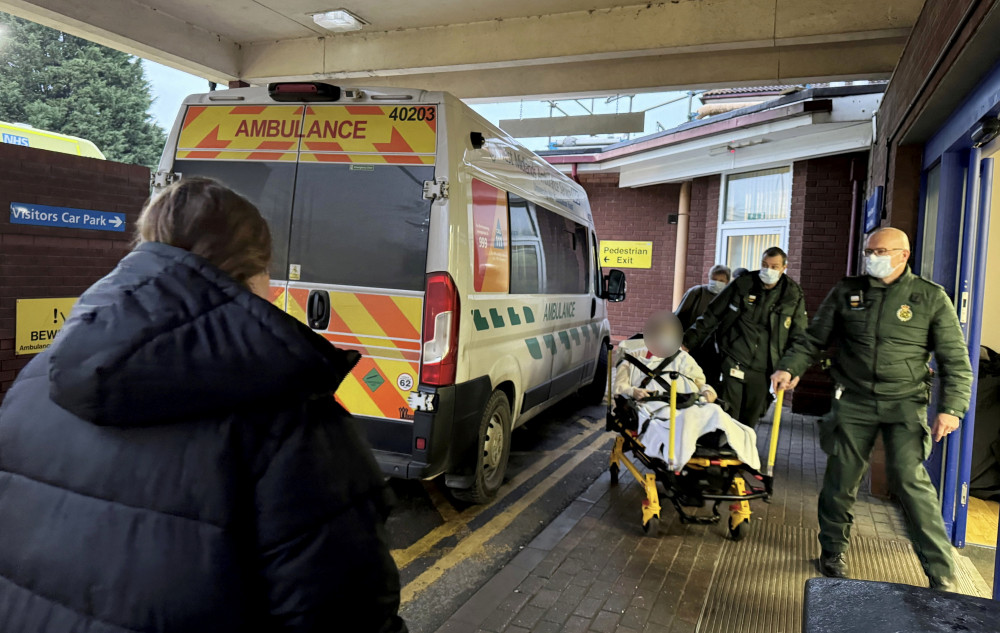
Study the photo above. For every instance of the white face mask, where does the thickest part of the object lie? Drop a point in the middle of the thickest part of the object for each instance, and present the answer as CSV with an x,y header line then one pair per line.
x,y
770,276
715,286
880,266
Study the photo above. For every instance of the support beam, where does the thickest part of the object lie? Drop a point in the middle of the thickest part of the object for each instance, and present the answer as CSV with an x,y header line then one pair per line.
x,y
138,30
644,47
584,36
801,64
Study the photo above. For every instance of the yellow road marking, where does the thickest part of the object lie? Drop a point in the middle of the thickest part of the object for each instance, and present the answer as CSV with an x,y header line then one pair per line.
x,y
477,540
404,557
441,503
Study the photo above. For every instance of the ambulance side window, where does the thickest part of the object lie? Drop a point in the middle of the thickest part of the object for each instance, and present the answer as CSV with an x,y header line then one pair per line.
x,y
549,254
567,253
526,260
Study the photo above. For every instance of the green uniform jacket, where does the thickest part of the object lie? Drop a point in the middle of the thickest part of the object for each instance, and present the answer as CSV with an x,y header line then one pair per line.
x,y
756,341
884,336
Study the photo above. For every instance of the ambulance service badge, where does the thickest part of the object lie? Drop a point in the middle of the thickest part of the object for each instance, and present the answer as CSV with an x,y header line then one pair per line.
x,y
904,313
788,322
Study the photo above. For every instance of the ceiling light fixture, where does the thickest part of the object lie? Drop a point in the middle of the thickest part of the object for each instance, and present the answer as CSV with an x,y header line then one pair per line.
x,y
339,21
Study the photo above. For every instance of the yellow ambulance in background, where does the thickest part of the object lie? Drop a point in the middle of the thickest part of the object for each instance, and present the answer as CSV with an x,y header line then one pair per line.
x,y
27,136
461,266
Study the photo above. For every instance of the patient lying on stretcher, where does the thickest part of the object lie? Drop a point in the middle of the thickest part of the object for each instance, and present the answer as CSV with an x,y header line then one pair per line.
x,y
658,353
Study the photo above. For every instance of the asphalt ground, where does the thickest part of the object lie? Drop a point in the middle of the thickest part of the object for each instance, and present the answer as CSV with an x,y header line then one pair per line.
x,y
446,550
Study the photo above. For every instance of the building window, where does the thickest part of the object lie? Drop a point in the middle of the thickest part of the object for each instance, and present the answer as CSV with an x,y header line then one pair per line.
x,y
754,216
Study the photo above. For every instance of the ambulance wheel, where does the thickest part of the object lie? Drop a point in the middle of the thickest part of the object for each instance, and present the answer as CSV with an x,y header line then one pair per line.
x,y
494,450
614,470
739,532
652,527
597,390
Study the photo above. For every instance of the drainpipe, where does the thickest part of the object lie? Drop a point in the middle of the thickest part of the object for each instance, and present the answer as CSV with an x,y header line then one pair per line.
x,y
575,169
681,251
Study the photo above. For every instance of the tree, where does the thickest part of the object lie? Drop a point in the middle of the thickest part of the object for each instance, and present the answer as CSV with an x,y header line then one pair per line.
x,y
61,83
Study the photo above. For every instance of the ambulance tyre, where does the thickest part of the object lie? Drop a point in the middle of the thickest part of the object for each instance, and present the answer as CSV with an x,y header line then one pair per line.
x,y
597,390
494,449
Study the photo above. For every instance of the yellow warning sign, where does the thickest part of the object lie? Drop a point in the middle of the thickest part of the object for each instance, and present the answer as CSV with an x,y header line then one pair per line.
x,y
619,254
37,321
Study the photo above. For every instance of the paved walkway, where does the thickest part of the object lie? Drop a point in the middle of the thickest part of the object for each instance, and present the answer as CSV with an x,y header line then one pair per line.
x,y
593,569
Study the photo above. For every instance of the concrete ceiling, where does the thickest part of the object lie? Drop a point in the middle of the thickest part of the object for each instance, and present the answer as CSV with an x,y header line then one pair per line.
x,y
489,49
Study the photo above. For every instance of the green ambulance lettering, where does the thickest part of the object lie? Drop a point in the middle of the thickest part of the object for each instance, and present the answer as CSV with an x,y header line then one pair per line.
x,y
555,311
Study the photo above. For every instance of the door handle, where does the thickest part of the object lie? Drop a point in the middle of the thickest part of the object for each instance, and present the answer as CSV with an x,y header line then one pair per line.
x,y
593,308
318,309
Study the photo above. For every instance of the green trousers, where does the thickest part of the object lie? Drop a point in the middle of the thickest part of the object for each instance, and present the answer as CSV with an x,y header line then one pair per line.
x,y
847,436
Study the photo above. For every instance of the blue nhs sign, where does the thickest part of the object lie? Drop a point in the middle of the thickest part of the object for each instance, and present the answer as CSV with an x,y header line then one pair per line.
x,y
66,217
14,139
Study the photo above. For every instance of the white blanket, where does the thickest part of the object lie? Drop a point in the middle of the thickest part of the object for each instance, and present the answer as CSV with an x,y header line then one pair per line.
x,y
692,423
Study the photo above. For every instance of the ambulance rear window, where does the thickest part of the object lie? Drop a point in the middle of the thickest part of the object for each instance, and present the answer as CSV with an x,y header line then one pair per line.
x,y
269,185
361,225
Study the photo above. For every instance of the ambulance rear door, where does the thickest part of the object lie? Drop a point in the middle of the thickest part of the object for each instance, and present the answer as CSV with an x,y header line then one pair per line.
x,y
253,149
358,251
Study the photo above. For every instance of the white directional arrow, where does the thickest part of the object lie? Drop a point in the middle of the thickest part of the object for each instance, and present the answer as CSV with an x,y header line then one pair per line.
x,y
116,222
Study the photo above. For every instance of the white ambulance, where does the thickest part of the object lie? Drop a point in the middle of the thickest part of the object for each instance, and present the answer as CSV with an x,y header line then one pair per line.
x,y
460,265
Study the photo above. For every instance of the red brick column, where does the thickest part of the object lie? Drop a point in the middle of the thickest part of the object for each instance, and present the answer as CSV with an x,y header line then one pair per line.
x,y
819,235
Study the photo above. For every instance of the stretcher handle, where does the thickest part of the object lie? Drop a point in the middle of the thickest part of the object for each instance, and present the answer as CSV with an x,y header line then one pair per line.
x,y
775,426
673,419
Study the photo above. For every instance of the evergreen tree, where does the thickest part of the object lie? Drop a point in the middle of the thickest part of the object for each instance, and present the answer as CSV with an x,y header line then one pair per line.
x,y
61,83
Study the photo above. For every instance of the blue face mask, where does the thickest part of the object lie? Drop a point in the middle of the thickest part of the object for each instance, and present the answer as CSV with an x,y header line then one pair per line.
x,y
715,286
769,276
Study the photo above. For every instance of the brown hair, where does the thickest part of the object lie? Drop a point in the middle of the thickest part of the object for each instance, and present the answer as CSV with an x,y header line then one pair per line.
x,y
208,219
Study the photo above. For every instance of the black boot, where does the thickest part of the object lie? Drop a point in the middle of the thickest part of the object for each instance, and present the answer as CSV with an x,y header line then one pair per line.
x,y
834,565
944,584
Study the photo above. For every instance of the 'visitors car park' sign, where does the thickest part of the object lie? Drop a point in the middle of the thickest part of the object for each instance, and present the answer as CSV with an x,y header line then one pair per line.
x,y
66,217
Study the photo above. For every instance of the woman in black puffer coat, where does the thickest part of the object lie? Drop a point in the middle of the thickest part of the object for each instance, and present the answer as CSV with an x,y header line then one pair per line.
x,y
176,461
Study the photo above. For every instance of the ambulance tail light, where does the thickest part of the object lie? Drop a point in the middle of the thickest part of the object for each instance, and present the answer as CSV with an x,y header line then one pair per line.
x,y
441,318
303,91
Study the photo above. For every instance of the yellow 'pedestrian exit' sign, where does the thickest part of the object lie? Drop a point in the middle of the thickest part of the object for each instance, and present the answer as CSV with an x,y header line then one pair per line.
x,y
37,321
618,254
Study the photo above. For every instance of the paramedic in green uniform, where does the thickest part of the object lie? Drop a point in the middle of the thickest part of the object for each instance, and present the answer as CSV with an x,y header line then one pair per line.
x,y
885,326
754,319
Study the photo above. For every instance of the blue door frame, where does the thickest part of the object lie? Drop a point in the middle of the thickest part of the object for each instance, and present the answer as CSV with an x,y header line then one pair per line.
x,y
960,237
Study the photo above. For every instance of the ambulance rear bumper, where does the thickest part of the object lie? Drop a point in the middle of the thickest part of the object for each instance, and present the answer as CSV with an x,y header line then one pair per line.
x,y
449,433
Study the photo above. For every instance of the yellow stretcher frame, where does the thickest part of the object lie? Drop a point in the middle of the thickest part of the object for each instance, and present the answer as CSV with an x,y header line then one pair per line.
x,y
740,511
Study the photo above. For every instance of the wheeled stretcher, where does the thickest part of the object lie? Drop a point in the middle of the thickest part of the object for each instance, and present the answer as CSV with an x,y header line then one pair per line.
x,y
713,474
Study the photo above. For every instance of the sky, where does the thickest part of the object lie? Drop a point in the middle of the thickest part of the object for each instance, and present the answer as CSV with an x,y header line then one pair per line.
x,y
170,87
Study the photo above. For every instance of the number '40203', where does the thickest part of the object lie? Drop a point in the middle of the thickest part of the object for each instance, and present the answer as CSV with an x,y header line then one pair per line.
x,y
421,113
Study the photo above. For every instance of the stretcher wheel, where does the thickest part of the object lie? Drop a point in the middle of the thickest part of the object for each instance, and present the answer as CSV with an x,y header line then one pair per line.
x,y
614,470
652,527
739,532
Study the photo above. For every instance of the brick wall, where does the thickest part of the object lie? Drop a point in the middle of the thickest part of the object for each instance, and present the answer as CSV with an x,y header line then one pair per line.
x,y
819,230
704,223
40,262
639,214
819,237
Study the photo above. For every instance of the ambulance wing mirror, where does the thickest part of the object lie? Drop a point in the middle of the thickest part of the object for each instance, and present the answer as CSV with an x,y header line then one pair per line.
x,y
614,286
